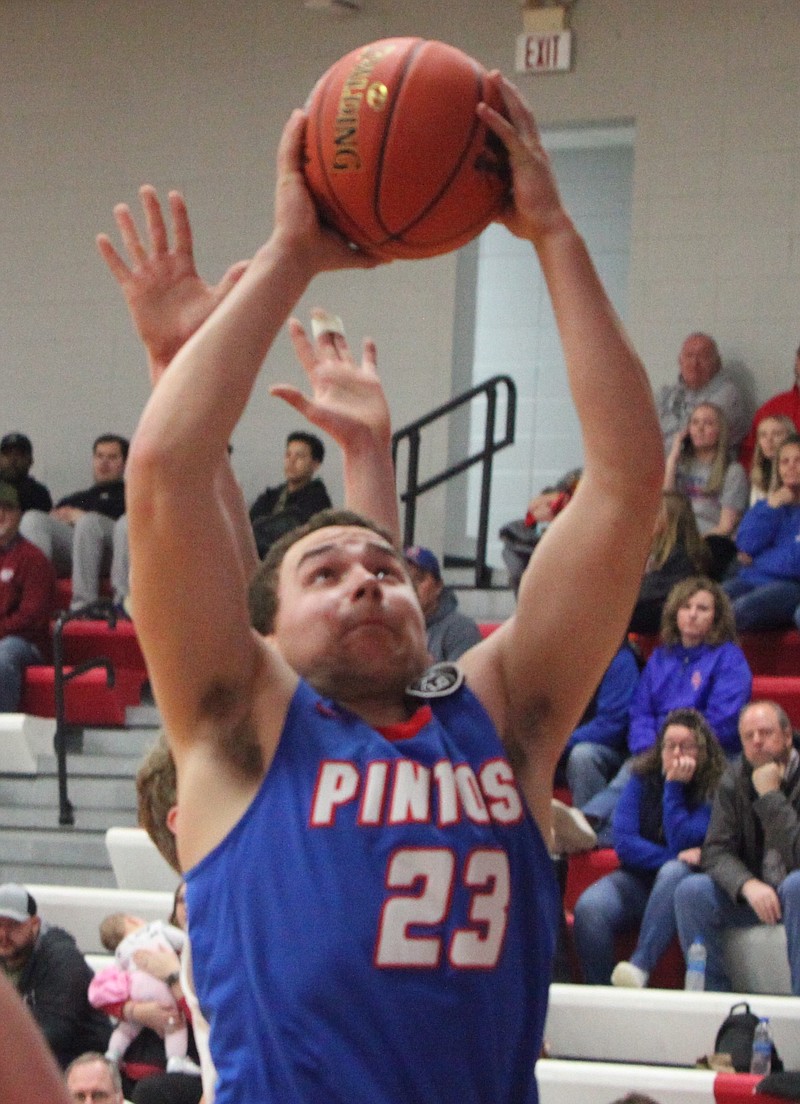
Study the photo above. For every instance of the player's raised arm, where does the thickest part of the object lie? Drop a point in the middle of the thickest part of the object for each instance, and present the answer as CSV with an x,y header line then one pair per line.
x,y
186,575
536,674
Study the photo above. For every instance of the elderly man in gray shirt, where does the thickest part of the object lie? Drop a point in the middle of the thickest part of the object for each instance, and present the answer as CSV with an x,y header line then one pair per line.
x,y
701,380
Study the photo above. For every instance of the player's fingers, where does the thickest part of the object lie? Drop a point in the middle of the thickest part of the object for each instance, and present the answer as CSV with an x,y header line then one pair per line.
x,y
183,228
119,270
129,233
156,227
231,278
369,358
304,350
292,396
291,143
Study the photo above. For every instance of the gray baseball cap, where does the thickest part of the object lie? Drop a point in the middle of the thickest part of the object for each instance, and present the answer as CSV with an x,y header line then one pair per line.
x,y
16,903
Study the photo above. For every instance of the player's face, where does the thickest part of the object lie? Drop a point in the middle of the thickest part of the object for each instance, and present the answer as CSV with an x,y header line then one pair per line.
x,y
763,739
697,361
348,619
695,618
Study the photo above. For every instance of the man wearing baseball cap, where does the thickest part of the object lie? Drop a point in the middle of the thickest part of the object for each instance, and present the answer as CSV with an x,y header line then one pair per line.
x,y
450,632
51,975
16,459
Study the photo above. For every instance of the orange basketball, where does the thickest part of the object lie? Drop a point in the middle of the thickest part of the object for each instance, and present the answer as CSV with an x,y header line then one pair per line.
x,y
396,158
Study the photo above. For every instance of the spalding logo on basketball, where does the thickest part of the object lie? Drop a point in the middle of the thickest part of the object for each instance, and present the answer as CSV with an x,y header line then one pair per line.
x,y
396,158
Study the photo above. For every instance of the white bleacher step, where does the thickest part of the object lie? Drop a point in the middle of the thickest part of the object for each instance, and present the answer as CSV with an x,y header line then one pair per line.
x,y
92,877
662,1026
23,816
136,861
40,847
562,1082
22,739
133,741
145,715
84,792
79,909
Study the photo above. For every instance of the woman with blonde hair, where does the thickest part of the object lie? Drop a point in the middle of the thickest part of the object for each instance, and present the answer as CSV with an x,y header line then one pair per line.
x,y
771,432
698,466
677,552
766,590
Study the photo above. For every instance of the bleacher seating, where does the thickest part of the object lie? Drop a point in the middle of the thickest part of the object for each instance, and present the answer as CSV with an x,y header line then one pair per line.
x,y
80,909
137,863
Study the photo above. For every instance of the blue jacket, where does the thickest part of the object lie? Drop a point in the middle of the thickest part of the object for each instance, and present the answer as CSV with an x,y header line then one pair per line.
x,y
771,535
636,820
714,679
606,721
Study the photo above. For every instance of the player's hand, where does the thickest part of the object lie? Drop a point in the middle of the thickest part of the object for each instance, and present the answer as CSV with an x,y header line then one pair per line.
x,y
347,399
298,228
763,900
167,299
535,208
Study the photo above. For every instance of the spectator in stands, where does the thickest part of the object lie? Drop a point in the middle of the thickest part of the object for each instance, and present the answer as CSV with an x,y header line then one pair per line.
x,y
279,509
766,588
126,936
700,380
28,1072
521,536
685,769
27,597
698,665
771,433
450,633
659,825
16,460
94,1079
79,534
698,466
751,854
51,975
786,403
678,551
598,746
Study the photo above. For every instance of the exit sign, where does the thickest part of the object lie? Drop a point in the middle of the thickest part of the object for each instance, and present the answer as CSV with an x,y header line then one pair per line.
x,y
544,53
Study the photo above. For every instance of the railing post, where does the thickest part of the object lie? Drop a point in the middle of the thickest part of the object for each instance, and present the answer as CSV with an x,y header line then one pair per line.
x,y
410,519
482,575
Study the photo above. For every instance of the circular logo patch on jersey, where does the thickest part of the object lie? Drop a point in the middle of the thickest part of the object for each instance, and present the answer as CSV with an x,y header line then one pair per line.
x,y
438,681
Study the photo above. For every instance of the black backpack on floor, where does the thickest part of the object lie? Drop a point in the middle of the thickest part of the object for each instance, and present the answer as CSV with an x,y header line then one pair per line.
x,y
735,1037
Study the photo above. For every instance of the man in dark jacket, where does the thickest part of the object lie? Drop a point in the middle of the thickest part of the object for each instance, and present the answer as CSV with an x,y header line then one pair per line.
x,y
279,509
16,460
751,853
450,633
51,975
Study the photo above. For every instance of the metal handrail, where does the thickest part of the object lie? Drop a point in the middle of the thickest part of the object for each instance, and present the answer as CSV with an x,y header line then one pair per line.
x,y
413,487
97,611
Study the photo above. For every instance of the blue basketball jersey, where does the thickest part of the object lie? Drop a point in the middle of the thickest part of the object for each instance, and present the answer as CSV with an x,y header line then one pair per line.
x,y
379,926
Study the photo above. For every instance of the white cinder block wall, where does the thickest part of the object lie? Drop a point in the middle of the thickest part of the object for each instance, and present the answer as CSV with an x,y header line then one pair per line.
x,y
99,96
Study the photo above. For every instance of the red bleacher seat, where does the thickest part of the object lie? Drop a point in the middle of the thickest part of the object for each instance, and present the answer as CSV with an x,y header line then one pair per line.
x,y
84,640
783,689
773,652
87,699
486,628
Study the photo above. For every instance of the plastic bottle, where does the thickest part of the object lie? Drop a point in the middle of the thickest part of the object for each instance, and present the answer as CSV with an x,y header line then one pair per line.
x,y
696,966
761,1061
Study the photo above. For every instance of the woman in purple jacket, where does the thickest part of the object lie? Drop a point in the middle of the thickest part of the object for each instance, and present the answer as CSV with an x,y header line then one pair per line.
x,y
766,589
698,665
659,824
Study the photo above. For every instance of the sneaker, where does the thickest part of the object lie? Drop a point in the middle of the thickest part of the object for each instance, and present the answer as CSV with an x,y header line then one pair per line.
x,y
628,976
572,832
182,1065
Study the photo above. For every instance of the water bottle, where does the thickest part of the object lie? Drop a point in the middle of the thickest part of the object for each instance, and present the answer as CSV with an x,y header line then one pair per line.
x,y
761,1061
696,967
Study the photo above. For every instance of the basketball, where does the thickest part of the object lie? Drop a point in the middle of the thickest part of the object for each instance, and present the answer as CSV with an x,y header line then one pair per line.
x,y
396,157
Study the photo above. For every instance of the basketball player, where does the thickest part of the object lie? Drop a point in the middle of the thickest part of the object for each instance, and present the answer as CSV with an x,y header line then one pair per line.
x,y
372,904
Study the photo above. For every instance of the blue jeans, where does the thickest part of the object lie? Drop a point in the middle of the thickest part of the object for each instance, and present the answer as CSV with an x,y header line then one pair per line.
x,y
703,909
600,808
609,906
771,606
589,768
15,655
